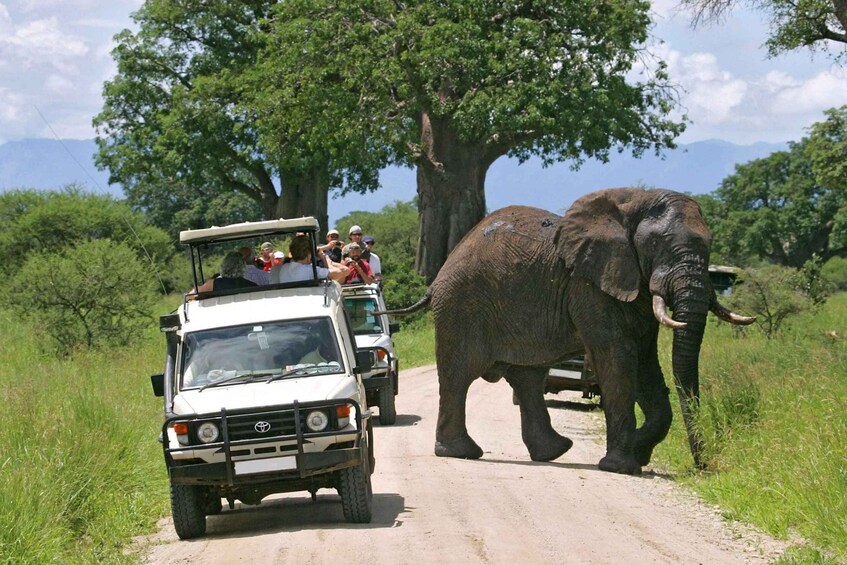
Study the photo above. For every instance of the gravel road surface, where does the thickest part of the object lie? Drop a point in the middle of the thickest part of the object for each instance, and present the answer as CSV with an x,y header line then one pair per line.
x,y
502,508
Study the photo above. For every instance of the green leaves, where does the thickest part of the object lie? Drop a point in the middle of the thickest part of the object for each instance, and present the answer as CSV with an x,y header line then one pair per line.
x,y
789,206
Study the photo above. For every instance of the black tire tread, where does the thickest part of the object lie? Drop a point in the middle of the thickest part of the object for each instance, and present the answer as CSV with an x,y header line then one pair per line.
x,y
188,504
387,406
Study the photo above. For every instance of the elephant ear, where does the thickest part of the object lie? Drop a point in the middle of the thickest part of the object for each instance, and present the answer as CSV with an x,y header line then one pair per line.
x,y
596,244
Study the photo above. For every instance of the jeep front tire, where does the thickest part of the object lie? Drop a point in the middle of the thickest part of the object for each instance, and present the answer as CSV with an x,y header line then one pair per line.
x,y
387,408
188,504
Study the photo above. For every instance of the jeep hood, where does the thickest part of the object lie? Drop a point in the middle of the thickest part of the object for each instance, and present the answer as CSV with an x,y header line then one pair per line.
x,y
260,393
373,340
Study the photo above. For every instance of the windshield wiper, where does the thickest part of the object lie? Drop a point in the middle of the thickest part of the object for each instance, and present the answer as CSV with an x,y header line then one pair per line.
x,y
286,374
231,379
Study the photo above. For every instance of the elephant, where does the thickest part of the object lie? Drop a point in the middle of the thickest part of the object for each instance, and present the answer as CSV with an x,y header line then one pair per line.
x,y
526,289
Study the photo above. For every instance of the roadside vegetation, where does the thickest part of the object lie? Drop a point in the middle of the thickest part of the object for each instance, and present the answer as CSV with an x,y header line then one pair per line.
x,y
81,471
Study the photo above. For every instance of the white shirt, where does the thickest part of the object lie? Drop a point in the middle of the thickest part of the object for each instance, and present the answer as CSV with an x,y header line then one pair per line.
x,y
376,266
294,271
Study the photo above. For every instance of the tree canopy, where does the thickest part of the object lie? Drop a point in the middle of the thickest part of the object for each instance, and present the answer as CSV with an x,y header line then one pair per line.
x,y
175,133
789,206
794,24
451,86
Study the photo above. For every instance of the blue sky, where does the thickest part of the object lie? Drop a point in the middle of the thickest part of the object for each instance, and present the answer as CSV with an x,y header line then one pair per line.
x,y
54,58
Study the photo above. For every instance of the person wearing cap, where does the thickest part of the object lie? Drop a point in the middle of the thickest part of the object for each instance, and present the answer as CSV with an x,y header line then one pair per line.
x,y
266,257
360,270
372,258
333,246
298,267
355,235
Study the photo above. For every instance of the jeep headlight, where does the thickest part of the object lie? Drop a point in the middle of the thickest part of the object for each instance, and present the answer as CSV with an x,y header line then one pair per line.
x,y
317,421
342,413
208,432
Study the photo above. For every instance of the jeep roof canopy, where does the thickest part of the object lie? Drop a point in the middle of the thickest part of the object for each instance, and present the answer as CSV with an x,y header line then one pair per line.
x,y
248,229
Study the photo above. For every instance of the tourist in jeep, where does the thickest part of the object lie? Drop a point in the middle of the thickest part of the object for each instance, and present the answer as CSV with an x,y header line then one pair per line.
x,y
231,275
360,270
298,267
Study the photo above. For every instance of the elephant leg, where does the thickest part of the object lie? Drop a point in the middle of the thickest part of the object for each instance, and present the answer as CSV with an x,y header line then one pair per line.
x,y
616,367
654,400
542,441
451,432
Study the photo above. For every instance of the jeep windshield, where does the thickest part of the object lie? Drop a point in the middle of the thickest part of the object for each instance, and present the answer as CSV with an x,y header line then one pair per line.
x,y
259,352
360,310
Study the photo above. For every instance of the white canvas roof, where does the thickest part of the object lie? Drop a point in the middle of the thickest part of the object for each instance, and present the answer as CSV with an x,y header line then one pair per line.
x,y
248,229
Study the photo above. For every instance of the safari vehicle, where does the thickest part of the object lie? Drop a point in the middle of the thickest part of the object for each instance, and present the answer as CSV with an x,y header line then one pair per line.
x,y
262,389
573,374
373,333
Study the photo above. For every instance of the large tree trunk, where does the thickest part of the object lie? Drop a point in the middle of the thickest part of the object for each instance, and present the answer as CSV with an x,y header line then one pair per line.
x,y
451,192
304,195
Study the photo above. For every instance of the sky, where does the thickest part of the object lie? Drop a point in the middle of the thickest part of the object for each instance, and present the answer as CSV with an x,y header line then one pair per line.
x,y
55,57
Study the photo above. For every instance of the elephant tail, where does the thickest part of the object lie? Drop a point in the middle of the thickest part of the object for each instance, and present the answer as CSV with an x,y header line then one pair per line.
x,y
423,302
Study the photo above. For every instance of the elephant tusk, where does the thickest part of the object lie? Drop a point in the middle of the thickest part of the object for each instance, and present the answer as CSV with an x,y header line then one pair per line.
x,y
729,316
659,311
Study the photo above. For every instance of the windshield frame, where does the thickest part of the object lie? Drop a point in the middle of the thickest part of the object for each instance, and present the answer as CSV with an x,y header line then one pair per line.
x,y
253,348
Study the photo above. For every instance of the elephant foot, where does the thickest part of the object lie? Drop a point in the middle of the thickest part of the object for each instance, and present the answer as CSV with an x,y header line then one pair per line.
x,y
550,449
620,464
461,448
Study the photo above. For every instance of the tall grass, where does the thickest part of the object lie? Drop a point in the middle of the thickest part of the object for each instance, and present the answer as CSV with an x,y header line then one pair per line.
x,y
774,418
81,471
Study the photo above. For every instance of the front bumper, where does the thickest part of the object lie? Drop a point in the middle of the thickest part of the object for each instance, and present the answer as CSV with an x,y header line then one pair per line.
x,y
289,452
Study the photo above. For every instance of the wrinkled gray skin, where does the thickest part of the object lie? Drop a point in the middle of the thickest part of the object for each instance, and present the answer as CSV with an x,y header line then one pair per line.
x,y
526,289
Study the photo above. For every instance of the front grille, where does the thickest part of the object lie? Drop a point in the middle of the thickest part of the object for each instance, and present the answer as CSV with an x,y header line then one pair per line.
x,y
245,427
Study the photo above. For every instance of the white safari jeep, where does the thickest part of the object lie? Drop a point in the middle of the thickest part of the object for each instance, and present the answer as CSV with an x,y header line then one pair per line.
x,y
262,389
373,333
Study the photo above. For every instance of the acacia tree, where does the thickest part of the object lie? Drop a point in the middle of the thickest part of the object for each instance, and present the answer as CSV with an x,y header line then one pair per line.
x,y
449,87
174,133
794,24
788,207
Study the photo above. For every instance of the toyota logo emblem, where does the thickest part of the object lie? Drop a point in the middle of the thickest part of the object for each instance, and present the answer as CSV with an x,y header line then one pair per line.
x,y
262,427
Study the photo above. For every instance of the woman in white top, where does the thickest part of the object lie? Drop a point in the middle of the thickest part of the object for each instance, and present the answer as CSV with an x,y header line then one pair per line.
x,y
298,267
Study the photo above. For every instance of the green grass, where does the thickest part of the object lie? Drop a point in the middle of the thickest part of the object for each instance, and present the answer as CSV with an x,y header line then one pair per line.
x,y
773,418
415,343
81,471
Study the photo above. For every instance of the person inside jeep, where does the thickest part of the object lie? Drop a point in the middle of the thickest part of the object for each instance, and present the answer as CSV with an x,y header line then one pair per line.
x,y
298,267
231,276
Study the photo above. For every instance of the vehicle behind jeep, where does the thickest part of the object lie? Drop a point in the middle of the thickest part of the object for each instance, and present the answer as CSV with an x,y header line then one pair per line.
x,y
262,388
373,333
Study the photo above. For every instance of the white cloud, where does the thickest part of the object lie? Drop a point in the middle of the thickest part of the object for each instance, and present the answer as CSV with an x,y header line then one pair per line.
x,y
824,90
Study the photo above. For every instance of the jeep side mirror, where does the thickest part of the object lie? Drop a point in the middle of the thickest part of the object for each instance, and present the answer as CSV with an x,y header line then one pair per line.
x,y
394,327
364,361
158,382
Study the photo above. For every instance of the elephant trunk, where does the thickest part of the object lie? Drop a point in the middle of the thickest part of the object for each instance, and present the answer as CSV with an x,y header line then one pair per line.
x,y
690,306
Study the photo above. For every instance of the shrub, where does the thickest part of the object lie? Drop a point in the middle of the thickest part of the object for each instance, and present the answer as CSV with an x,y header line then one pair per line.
x,y
835,271
93,294
772,294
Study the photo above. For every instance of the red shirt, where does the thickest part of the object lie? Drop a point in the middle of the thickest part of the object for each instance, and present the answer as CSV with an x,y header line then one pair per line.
x,y
353,276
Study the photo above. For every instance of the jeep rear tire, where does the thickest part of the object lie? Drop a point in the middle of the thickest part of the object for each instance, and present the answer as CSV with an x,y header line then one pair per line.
x,y
354,487
188,504
387,408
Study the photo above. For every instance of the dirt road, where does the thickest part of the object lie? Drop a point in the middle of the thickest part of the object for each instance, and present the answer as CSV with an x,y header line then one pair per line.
x,y
502,508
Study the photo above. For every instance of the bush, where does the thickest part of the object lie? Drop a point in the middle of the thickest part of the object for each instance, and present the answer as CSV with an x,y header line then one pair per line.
x,y
94,294
35,223
771,293
835,271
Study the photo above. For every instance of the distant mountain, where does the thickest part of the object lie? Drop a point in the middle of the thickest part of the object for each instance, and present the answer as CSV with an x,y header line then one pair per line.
x,y
695,167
